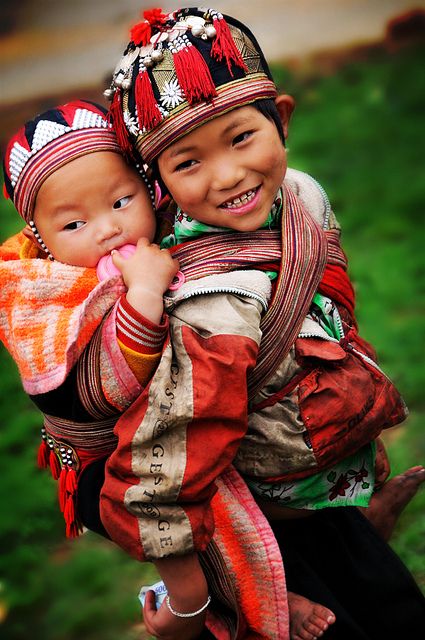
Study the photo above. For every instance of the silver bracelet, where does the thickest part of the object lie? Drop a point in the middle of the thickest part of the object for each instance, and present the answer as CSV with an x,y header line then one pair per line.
x,y
186,615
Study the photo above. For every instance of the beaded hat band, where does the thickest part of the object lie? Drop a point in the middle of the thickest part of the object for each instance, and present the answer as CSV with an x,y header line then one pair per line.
x,y
49,142
181,70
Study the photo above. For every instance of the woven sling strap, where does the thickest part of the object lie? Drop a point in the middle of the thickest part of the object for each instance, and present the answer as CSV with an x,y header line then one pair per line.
x,y
300,246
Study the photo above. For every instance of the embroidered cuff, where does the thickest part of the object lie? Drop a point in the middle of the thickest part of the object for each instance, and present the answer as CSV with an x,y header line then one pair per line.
x,y
137,332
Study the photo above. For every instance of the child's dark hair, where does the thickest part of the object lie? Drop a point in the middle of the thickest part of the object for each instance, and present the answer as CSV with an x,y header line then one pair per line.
x,y
268,108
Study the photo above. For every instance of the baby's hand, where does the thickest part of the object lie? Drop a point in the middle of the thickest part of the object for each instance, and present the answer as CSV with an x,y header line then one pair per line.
x,y
149,267
147,274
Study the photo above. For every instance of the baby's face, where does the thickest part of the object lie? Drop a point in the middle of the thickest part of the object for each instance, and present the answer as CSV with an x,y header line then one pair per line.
x,y
227,172
90,206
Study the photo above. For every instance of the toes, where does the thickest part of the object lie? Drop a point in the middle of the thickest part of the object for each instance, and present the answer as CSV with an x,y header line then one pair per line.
x,y
315,625
308,620
415,469
414,473
303,635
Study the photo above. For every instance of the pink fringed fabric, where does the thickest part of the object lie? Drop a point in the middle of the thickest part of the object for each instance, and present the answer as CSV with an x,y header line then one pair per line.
x,y
252,557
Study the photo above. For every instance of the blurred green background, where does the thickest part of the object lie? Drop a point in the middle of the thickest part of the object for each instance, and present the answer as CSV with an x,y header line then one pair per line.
x,y
358,128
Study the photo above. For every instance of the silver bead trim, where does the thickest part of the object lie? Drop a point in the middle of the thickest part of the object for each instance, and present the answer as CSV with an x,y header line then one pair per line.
x,y
39,240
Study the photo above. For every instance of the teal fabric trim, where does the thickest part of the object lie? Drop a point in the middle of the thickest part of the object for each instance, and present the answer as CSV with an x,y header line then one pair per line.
x,y
187,228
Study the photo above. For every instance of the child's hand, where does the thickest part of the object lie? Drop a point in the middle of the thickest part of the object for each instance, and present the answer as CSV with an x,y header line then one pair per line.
x,y
162,624
149,267
147,274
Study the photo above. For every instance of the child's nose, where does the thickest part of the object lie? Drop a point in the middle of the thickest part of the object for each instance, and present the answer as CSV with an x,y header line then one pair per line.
x,y
227,175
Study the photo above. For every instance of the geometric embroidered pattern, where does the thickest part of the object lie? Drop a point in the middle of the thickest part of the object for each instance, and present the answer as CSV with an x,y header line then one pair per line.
x,y
45,132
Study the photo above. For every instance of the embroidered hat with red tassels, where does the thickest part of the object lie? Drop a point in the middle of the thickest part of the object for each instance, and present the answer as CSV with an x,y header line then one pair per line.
x,y
49,141
180,70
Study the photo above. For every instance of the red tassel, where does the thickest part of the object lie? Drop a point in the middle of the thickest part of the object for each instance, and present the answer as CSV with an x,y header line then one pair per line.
x,y
115,116
62,488
43,455
193,75
148,113
54,465
73,529
141,33
224,46
73,525
155,17
71,481
69,511
5,192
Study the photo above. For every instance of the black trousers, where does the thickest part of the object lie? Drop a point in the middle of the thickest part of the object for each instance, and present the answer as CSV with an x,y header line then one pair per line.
x,y
336,558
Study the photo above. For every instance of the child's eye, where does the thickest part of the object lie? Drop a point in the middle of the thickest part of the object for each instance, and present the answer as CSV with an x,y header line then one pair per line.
x,y
185,165
121,202
76,224
242,137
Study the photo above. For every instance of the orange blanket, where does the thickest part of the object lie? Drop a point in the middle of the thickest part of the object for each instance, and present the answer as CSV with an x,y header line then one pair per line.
x,y
48,312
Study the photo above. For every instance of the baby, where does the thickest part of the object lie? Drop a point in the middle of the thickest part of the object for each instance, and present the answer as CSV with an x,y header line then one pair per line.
x,y
82,202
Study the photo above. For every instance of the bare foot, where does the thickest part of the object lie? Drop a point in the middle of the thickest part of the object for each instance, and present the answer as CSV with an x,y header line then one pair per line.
x,y
307,620
387,504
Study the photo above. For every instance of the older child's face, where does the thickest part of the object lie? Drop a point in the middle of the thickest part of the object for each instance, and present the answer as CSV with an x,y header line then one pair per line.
x,y
227,172
90,206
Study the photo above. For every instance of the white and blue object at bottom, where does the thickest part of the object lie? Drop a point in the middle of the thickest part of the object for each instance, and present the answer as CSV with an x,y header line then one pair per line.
x,y
160,591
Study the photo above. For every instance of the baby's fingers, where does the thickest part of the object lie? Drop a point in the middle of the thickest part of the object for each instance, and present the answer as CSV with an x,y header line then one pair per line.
x,y
117,259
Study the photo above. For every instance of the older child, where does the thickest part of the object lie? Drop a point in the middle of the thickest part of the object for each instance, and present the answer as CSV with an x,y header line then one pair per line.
x,y
197,99
81,201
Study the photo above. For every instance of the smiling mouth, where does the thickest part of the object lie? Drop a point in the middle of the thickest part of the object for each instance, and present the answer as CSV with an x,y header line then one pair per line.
x,y
241,200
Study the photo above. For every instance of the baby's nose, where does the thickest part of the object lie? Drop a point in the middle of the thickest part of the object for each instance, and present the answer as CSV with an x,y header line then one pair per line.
x,y
109,229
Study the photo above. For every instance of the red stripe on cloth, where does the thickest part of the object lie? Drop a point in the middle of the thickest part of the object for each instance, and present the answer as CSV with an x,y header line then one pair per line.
x,y
137,332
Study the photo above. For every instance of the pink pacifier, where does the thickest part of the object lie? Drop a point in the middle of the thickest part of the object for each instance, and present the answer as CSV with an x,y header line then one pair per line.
x,y
177,282
106,268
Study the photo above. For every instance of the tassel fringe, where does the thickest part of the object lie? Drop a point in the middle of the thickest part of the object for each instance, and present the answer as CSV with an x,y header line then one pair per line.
x,y
43,455
193,75
54,465
67,487
115,116
148,113
224,46
62,488
71,481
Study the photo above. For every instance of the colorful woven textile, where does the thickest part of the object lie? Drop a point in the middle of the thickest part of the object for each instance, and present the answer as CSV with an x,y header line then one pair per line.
x,y
48,314
244,540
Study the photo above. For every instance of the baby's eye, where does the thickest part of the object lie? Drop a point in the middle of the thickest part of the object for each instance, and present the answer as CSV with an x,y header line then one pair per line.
x,y
242,137
121,202
185,165
76,224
